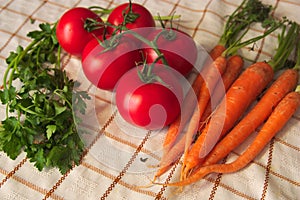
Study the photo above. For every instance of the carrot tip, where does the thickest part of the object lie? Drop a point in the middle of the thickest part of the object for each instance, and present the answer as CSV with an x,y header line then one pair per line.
x,y
152,166
143,186
154,179
148,185
158,183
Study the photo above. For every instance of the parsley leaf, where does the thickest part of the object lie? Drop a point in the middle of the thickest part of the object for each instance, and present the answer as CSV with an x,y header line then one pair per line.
x,y
43,123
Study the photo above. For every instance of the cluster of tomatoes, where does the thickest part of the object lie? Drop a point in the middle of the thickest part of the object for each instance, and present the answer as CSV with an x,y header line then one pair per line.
x,y
129,55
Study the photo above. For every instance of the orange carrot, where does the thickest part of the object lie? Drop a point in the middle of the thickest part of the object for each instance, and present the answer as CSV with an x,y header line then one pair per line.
x,y
217,51
211,77
212,74
170,157
237,22
179,123
240,19
276,121
240,95
284,84
177,126
234,67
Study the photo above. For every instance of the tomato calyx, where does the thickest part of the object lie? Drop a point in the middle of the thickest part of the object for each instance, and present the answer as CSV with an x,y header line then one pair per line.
x,y
111,43
146,74
108,42
167,33
129,15
91,24
170,34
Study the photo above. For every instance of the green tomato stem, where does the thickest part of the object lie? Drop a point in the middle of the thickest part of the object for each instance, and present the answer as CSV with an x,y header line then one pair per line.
x,y
152,44
155,17
100,10
106,11
166,18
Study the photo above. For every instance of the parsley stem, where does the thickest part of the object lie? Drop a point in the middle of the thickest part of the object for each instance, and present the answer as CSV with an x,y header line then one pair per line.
x,y
63,97
10,70
58,64
28,110
14,64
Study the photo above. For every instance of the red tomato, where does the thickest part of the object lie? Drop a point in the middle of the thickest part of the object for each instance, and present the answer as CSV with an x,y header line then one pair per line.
x,y
70,31
143,17
104,67
149,105
178,48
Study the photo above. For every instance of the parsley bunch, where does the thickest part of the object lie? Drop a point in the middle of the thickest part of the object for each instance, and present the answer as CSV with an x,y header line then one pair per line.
x,y
41,105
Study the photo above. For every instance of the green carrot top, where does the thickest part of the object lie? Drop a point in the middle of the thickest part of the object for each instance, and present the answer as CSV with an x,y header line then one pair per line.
x,y
248,12
286,40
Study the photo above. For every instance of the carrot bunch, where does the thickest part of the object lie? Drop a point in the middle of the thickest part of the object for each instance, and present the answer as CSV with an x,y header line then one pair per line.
x,y
276,121
216,76
226,128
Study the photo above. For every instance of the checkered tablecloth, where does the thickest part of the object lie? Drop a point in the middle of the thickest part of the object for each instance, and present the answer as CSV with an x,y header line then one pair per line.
x,y
116,161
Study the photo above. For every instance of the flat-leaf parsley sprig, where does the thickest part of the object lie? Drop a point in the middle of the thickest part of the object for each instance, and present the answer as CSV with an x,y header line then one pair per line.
x,y
41,102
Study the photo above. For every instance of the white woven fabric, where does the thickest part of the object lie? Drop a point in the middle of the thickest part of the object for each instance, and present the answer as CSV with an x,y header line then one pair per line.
x,y
119,157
